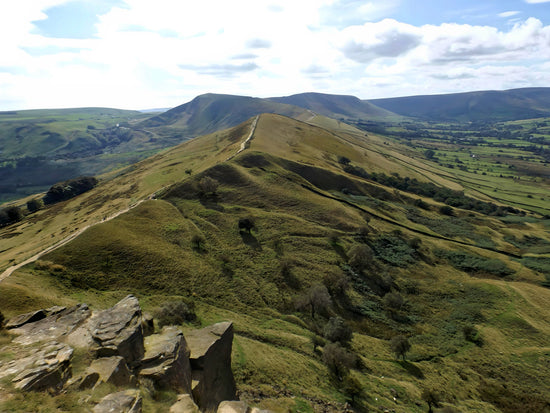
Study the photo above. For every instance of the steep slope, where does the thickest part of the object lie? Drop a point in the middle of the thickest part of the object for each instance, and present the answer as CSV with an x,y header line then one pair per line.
x,y
503,105
456,286
336,106
210,112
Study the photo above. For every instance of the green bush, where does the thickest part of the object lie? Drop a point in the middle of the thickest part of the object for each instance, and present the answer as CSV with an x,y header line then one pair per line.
x,y
400,346
474,263
338,359
337,330
175,313
394,250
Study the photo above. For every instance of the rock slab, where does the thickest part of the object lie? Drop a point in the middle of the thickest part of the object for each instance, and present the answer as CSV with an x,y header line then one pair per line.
x,y
166,361
213,380
128,401
185,404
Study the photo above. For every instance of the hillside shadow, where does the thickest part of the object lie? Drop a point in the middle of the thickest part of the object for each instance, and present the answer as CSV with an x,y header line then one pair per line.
x,y
250,240
211,202
412,369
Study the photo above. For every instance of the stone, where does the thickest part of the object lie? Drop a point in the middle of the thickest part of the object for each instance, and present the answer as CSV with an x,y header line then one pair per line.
x,y
112,370
147,324
117,331
166,361
233,407
48,369
84,382
128,401
55,326
185,404
210,359
33,316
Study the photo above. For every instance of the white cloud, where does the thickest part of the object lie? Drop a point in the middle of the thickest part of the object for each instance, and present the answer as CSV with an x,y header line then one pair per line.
x,y
511,13
537,1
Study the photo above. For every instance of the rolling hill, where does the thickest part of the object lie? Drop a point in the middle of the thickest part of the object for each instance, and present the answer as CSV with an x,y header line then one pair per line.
x,y
342,237
487,106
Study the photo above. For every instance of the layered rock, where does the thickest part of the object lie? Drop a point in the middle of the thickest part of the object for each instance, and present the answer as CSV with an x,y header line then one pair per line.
x,y
33,316
166,361
117,331
210,358
128,401
55,326
47,369
185,404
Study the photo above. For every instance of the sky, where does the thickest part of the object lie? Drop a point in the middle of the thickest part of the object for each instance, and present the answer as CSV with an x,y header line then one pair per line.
x,y
145,54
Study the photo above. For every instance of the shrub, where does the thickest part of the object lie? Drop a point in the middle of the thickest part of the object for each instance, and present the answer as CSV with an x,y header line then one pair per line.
x,y
446,210
317,341
34,205
352,388
472,335
360,256
175,313
316,298
338,359
400,346
431,397
474,263
69,189
10,215
343,160
198,242
394,301
337,330
247,224
208,185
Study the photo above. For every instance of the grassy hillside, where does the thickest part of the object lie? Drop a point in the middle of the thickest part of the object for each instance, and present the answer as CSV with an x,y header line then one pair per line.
x,y
504,105
337,106
465,288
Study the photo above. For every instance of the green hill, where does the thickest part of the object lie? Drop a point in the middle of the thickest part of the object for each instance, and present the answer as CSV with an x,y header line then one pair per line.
x,y
339,240
489,106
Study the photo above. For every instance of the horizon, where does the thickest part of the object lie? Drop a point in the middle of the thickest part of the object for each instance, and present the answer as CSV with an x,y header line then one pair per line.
x,y
131,54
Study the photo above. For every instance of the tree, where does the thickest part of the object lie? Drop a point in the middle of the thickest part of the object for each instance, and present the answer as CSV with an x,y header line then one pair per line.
x,y
175,313
446,210
208,185
337,330
400,345
317,298
431,397
197,242
429,153
343,160
360,256
352,388
34,205
338,359
247,224
11,214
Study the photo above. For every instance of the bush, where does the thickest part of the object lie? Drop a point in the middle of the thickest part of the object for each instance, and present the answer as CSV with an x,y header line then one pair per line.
x,y
360,256
198,242
343,160
175,313
400,346
338,359
475,263
247,224
472,335
10,215
69,189
446,210
431,397
208,185
316,298
337,330
34,205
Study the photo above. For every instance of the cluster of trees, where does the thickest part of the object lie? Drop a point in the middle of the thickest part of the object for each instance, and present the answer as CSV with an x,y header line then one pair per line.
x,y
440,194
69,189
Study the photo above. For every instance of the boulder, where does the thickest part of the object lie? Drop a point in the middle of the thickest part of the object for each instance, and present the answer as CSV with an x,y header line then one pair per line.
x,y
166,361
117,331
53,327
112,370
33,316
47,369
233,407
210,358
185,404
128,401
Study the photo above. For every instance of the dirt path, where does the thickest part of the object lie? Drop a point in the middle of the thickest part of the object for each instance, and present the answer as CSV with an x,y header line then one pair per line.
x,y
8,271
243,143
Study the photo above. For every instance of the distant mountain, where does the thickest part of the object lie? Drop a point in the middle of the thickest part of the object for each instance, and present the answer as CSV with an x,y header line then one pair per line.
x,y
336,106
211,112
504,105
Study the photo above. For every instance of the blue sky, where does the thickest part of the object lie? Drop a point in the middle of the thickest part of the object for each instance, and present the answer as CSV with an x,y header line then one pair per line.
x,y
142,54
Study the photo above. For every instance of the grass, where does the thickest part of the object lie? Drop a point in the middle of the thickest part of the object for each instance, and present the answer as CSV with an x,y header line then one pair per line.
x,y
239,277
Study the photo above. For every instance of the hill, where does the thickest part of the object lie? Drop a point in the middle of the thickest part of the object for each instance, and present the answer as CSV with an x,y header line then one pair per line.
x,y
341,239
337,106
506,105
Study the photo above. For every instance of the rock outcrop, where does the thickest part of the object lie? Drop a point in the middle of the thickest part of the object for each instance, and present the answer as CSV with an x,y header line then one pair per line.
x,y
210,358
48,369
185,404
166,361
117,331
53,327
197,365
128,401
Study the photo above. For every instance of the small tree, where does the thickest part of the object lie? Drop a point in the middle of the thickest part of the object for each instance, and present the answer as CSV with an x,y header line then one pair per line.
x,y
14,214
431,397
317,298
360,256
337,330
197,242
247,224
338,359
208,185
352,388
175,313
400,346
343,160
34,205
446,210
429,153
